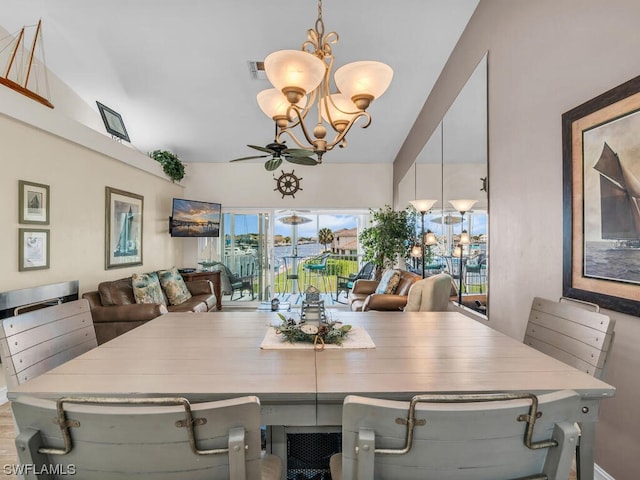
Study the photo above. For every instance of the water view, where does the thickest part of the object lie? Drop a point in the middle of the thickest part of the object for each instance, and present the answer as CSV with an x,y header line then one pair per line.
x,y
608,261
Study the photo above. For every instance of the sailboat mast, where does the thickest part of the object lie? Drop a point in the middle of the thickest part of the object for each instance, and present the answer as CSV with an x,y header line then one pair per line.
x,y
33,51
15,51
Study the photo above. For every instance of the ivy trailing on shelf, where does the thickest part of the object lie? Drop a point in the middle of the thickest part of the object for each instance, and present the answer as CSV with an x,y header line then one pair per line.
x,y
171,164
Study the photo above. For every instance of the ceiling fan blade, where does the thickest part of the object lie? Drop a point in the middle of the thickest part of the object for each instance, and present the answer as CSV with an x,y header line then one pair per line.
x,y
272,164
262,149
249,158
297,152
301,160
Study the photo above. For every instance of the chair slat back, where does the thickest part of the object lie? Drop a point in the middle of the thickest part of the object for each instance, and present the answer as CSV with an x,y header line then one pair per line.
x,y
35,342
573,335
461,441
143,442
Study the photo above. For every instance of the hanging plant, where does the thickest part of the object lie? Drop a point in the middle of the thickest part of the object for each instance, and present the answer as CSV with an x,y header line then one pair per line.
x,y
171,164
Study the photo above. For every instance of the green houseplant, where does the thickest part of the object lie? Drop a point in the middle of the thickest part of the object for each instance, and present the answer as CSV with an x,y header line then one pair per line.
x,y
389,237
171,164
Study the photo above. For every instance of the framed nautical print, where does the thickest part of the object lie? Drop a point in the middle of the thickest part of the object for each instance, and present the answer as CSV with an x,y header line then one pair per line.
x,y
123,229
601,200
33,249
33,203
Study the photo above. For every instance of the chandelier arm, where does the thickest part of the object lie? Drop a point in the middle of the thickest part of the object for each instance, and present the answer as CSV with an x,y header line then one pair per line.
x,y
294,108
295,140
343,134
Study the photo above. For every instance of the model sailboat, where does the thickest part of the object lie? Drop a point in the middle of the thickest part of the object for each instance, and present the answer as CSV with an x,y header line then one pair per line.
x,y
619,200
12,80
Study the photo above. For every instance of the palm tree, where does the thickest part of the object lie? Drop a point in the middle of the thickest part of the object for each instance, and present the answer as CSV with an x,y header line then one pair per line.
x,y
325,236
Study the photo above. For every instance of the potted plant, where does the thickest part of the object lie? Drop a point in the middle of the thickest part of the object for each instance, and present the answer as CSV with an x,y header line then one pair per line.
x,y
171,164
388,238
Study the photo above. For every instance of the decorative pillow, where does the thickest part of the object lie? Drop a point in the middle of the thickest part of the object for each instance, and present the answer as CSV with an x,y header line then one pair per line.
x,y
146,288
173,285
389,281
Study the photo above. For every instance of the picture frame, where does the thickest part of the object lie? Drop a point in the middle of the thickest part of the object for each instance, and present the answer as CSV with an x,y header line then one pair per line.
x,y
123,228
113,122
601,200
33,249
33,203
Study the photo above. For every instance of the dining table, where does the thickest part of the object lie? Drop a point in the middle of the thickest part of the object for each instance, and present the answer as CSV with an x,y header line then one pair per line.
x,y
220,355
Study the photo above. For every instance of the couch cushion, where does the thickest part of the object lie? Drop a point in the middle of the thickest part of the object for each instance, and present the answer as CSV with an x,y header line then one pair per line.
x,y
146,288
407,279
116,292
173,285
389,281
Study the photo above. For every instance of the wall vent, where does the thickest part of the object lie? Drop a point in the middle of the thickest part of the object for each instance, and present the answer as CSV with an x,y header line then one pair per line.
x,y
256,70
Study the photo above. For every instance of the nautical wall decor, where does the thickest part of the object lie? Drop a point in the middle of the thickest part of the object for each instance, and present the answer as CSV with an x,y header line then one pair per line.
x,y
288,184
123,228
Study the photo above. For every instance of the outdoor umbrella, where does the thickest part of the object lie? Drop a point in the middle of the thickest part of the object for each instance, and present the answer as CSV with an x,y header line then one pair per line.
x,y
294,220
449,221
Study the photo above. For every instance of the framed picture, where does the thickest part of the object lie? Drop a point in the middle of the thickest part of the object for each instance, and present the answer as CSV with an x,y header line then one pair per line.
x,y
33,203
123,227
33,249
601,193
113,122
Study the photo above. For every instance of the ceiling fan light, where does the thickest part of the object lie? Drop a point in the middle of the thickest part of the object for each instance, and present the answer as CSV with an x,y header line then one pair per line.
x,y
363,81
294,72
274,104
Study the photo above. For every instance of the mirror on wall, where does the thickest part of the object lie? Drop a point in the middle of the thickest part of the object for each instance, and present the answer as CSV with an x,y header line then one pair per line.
x,y
453,166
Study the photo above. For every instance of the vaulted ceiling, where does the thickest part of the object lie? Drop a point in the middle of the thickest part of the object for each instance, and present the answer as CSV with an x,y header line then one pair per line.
x,y
178,71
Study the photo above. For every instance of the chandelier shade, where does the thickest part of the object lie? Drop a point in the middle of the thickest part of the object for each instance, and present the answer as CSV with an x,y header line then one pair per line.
x,y
294,72
363,81
463,205
340,110
423,206
275,105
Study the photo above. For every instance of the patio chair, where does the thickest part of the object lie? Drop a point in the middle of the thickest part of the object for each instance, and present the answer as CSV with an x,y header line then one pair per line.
x,y
345,284
316,267
462,437
234,282
142,438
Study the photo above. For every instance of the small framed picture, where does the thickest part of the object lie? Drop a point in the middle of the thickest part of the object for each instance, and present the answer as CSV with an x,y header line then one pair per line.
x,y
33,250
123,228
33,203
113,122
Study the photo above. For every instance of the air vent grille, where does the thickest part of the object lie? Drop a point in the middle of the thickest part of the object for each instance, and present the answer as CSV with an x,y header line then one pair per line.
x,y
256,70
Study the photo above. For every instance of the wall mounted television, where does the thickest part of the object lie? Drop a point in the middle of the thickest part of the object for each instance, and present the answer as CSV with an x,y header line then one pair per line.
x,y
193,218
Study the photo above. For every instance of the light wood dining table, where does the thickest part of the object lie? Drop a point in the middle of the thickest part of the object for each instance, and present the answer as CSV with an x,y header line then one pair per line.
x,y
211,356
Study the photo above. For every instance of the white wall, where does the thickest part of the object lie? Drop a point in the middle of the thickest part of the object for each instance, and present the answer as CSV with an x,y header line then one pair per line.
x,y
77,176
545,57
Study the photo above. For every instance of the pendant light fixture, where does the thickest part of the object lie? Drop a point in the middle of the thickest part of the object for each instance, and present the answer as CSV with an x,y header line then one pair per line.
x,y
302,85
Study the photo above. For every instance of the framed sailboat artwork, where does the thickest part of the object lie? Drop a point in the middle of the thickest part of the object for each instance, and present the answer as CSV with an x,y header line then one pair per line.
x,y
123,227
601,199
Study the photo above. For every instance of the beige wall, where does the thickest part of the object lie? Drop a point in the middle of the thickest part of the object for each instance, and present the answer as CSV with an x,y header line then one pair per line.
x,y
545,57
77,177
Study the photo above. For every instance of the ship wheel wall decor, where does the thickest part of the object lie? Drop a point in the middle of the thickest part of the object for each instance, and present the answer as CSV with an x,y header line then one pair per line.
x,y
287,183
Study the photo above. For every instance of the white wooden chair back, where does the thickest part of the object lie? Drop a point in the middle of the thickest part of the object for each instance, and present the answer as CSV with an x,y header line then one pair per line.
x,y
147,440
571,334
35,342
456,441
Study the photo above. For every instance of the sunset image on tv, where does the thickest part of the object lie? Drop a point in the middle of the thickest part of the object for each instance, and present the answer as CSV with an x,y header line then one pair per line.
x,y
192,218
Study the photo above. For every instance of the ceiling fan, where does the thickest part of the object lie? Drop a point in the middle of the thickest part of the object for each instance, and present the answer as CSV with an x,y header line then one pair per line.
x,y
279,152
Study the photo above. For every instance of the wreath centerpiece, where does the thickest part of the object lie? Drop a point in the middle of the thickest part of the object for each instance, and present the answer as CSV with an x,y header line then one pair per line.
x,y
319,335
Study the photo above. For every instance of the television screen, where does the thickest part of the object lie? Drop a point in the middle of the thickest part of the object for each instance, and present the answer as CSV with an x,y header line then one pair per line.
x,y
191,218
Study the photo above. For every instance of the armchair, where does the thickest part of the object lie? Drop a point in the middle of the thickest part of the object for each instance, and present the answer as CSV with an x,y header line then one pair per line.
x,y
363,296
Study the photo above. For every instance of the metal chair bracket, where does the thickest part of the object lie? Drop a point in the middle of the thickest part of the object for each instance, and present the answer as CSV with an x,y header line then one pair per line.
x,y
412,422
189,422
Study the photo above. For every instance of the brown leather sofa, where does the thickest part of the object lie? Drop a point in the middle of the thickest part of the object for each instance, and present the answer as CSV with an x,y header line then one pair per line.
x,y
115,311
362,296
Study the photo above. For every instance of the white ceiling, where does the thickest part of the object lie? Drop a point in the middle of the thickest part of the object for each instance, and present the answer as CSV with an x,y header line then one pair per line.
x,y
178,71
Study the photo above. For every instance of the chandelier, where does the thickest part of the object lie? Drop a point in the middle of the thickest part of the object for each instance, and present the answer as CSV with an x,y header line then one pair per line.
x,y
302,84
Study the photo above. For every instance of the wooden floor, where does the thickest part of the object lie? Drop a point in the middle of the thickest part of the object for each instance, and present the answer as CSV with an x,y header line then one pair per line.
x,y
8,454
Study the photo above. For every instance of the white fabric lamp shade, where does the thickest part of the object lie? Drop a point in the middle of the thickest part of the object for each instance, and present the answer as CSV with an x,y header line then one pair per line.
x,y
416,251
463,205
457,252
294,68
423,205
430,238
273,103
363,78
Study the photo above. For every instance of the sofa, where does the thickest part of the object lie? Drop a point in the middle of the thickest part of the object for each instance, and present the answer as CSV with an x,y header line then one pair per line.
x,y
115,311
363,295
